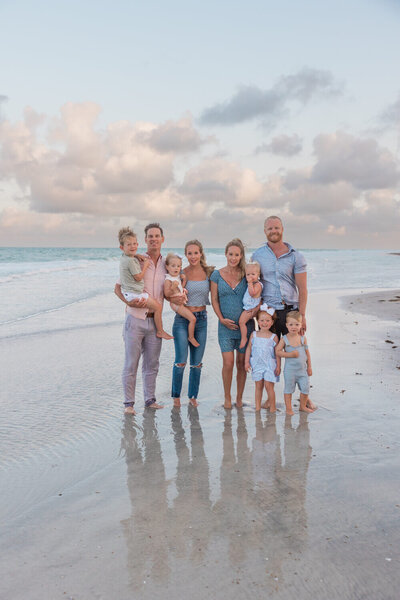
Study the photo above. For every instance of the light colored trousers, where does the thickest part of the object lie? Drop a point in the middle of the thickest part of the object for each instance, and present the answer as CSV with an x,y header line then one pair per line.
x,y
140,339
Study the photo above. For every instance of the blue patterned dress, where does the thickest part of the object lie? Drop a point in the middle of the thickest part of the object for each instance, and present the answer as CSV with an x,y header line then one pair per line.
x,y
231,305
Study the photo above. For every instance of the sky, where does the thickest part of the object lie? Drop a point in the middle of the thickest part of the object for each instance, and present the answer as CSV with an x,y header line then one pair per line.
x,y
206,117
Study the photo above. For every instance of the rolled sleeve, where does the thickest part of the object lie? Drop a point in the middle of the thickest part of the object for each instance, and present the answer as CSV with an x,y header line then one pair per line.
x,y
300,264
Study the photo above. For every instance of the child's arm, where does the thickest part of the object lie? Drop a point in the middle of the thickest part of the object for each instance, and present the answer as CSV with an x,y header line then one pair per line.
x,y
171,289
309,367
255,289
278,358
139,276
247,356
279,351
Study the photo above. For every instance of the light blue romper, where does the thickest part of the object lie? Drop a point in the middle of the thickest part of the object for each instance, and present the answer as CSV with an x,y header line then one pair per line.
x,y
262,359
249,302
295,370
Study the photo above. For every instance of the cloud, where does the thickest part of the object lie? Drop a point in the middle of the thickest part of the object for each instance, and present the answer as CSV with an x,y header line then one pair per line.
x,y
251,102
284,145
390,116
217,180
361,162
74,183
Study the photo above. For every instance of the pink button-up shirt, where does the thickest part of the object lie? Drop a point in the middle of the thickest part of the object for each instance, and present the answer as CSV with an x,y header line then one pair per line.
x,y
154,278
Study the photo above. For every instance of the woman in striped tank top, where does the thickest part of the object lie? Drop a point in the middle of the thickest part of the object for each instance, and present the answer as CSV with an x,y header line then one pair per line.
x,y
198,288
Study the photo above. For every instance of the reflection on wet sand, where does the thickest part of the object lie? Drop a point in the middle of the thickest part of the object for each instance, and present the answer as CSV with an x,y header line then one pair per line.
x,y
259,520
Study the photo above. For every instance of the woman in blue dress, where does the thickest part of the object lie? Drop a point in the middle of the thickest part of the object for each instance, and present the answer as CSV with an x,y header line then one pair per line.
x,y
228,286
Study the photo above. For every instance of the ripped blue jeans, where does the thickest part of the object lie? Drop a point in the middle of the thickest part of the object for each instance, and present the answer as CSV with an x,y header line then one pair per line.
x,y
182,345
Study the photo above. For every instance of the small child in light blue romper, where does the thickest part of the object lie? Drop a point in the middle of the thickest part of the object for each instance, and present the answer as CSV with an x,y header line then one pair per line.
x,y
295,370
294,349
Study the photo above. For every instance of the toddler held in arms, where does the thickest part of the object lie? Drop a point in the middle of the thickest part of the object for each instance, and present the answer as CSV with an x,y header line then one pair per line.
x,y
174,286
131,273
261,360
251,299
293,348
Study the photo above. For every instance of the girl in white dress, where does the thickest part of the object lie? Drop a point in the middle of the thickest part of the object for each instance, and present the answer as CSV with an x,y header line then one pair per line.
x,y
261,359
174,285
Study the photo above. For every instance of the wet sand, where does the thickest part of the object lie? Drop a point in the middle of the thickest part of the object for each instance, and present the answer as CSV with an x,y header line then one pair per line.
x,y
208,503
384,304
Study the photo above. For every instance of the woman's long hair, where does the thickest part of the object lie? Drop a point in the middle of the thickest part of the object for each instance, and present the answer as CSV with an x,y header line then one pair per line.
x,y
242,264
203,263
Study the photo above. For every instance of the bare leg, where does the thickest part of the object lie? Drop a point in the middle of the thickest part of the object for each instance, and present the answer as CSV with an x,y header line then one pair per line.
x,y
270,387
303,404
244,317
240,378
187,314
288,403
227,370
311,404
154,306
259,393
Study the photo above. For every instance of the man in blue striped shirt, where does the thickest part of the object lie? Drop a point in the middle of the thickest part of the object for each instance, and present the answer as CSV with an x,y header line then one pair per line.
x,y
283,275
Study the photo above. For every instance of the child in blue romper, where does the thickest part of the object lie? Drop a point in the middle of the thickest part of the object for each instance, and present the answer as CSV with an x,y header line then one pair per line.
x,y
293,348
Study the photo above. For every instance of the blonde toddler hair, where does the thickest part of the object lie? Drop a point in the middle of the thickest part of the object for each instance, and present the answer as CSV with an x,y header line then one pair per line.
x,y
294,314
124,233
254,263
170,256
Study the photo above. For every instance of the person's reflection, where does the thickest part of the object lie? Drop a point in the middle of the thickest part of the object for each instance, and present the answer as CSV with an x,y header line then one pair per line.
x,y
191,511
147,545
297,452
233,511
200,503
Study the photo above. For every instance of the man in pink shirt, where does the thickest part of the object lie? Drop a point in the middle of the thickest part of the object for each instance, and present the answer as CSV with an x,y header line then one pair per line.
x,y
139,330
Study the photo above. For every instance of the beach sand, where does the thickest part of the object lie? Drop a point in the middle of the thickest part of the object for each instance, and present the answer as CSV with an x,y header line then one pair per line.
x,y
203,503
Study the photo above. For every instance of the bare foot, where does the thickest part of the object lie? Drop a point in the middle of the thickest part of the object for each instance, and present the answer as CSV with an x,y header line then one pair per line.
x,y
155,406
194,342
193,401
177,402
306,409
228,403
164,335
311,405
266,405
243,342
129,410
272,410
289,412
239,403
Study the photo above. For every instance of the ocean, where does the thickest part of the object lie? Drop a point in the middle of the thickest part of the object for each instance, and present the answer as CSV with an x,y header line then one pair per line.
x,y
44,288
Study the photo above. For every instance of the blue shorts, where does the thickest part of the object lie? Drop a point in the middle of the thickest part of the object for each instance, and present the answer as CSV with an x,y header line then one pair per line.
x,y
290,383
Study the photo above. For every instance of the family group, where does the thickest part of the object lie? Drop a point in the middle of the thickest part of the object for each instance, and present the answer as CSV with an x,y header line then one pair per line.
x,y
271,289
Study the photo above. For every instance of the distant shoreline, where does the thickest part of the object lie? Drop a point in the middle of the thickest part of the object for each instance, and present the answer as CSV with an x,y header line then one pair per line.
x,y
384,304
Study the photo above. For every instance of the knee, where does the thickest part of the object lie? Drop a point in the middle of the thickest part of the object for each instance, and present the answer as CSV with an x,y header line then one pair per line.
x,y
180,365
199,366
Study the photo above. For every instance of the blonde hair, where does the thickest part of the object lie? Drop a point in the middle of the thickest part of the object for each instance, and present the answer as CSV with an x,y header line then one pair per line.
x,y
254,263
170,256
124,233
294,314
242,263
203,263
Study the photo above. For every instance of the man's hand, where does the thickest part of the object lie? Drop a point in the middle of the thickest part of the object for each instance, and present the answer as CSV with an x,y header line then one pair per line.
x,y
138,303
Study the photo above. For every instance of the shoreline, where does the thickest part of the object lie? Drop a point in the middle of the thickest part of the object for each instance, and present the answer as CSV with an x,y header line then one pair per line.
x,y
383,304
